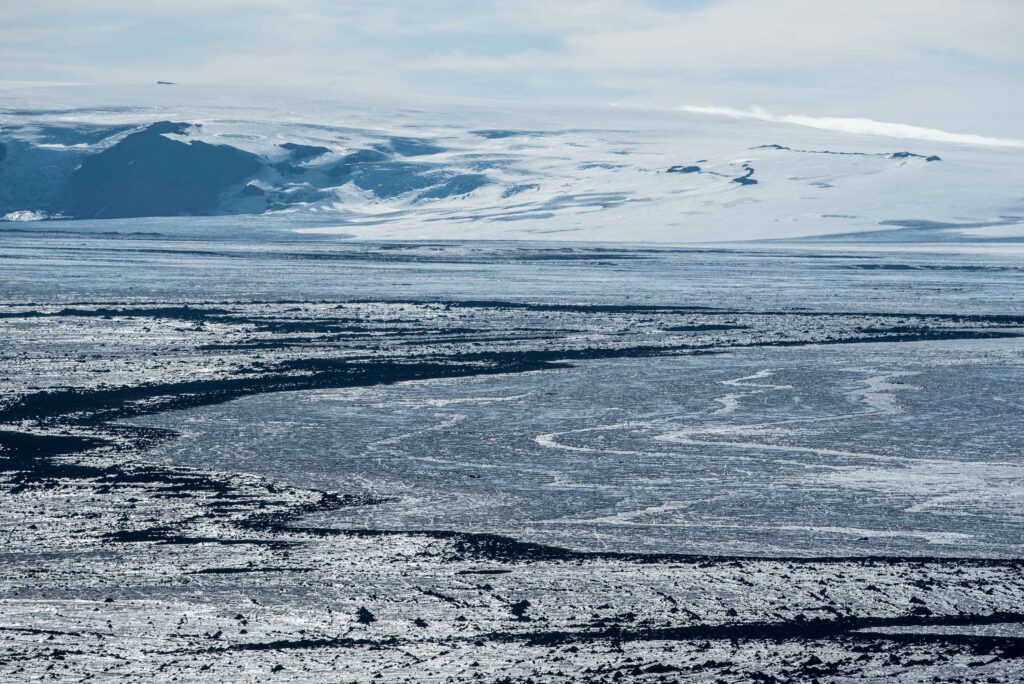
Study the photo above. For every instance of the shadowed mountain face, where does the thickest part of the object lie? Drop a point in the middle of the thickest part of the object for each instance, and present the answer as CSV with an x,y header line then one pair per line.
x,y
409,147
149,174
300,153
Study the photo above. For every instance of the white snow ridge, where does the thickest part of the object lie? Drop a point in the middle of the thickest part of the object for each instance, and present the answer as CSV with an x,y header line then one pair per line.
x,y
608,174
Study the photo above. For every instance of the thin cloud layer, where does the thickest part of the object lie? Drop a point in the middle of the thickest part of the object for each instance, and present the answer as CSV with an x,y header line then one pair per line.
x,y
927,61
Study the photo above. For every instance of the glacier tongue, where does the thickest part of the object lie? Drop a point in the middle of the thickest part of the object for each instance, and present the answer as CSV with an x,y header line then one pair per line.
x,y
446,171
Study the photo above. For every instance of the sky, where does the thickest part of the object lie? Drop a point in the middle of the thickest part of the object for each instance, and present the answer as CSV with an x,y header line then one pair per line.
x,y
955,65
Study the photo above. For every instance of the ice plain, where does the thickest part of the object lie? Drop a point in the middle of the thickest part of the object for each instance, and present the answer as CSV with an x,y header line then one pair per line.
x,y
241,446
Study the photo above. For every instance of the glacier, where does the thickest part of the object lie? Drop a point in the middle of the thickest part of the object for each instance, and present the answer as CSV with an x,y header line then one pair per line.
x,y
310,387
391,170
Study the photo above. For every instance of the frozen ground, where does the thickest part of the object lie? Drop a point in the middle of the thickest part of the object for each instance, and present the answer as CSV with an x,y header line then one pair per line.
x,y
262,456
767,452
251,430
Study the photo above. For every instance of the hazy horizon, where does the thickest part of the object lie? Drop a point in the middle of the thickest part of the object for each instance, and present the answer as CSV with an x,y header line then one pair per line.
x,y
952,65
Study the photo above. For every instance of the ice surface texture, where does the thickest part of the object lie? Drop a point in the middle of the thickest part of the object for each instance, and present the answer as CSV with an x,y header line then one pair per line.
x,y
436,172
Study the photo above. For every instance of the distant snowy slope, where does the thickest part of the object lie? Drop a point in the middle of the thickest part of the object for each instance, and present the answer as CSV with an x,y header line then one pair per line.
x,y
379,171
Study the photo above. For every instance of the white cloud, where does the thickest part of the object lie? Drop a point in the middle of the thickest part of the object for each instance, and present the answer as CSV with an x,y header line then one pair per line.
x,y
856,126
914,60
808,34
